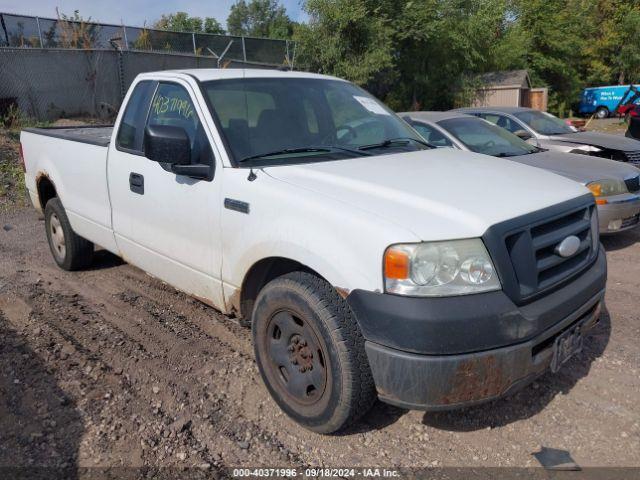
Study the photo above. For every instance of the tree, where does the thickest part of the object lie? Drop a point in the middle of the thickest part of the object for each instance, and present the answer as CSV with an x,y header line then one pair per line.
x,y
342,38
259,18
211,25
182,22
419,54
427,53
614,56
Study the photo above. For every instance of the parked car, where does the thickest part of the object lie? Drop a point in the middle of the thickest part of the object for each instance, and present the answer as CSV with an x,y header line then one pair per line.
x,y
615,185
365,261
546,131
603,101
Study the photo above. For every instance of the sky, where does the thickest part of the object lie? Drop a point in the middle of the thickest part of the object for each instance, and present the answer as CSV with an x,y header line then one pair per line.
x,y
134,12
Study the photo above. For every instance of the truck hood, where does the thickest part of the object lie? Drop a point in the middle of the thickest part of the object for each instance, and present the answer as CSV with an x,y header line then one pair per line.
x,y
602,140
435,194
581,168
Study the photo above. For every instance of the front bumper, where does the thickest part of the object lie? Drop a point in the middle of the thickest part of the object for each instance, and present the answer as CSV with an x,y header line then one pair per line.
x,y
621,213
443,353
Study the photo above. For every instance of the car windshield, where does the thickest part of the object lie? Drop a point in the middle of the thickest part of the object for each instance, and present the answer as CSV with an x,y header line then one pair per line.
x,y
482,136
544,123
278,120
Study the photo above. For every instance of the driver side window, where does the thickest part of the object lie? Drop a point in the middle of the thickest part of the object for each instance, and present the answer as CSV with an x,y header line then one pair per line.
x,y
171,105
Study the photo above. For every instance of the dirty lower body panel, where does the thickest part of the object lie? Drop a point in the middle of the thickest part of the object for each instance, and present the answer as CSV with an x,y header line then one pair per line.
x,y
435,382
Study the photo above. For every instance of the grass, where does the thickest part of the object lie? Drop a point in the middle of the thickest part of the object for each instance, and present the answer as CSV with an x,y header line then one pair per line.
x,y
12,188
13,191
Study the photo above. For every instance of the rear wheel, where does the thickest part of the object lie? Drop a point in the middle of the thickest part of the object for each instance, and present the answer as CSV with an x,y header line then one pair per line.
x,y
69,250
602,112
310,353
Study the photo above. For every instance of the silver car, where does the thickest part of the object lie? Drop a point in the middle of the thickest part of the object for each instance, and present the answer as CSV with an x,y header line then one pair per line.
x,y
615,185
546,131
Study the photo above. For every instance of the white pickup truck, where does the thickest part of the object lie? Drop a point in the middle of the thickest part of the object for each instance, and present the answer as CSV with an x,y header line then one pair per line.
x,y
368,263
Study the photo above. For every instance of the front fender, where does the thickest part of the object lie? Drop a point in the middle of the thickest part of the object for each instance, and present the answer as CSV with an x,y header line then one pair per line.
x,y
343,244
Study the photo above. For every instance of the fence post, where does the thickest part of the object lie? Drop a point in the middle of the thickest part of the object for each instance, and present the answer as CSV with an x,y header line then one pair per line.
x,y
244,51
39,32
124,34
293,58
193,38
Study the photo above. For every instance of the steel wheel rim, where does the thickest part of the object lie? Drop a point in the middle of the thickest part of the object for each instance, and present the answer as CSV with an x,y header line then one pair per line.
x,y
296,358
57,237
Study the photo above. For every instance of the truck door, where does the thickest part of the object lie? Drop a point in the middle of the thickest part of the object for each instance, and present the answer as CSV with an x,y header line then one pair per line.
x,y
164,223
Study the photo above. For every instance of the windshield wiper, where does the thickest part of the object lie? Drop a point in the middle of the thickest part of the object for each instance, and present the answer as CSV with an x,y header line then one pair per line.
x,y
310,149
395,141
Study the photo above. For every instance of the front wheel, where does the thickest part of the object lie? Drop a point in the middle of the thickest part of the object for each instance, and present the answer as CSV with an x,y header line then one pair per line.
x,y
69,250
310,353
602,112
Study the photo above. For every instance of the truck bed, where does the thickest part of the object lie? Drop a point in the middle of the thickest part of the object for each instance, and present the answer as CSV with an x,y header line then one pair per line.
x,y
99,135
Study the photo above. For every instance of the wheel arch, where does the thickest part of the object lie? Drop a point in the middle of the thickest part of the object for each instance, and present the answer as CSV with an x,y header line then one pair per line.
x,y
46,189
261,273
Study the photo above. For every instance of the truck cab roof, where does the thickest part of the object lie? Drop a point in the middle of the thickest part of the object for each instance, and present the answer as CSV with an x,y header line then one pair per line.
x,y
208,74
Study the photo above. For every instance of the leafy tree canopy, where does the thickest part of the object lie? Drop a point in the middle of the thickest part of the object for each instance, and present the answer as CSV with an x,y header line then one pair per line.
x,y
427,53
182,22
259,18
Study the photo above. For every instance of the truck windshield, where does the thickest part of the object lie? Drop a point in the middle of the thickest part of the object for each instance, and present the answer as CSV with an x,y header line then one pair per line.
x,y
544,123
291,120
483,137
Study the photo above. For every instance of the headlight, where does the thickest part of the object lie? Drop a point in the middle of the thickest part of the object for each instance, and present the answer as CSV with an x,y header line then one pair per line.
x,y
607,188
436,269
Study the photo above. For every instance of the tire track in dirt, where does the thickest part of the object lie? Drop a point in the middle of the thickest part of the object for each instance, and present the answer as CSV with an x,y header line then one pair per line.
x,y
174,323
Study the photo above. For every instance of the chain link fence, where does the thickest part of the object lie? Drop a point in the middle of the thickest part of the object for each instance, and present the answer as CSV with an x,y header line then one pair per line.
x,y
47,84
37,32
51,69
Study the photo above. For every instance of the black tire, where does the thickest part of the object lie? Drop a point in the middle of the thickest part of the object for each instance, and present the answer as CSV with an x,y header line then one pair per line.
x,y
310,353
69,250
602,112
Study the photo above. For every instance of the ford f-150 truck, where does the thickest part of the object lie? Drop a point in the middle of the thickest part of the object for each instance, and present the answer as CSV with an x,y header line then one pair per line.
x,y
367,263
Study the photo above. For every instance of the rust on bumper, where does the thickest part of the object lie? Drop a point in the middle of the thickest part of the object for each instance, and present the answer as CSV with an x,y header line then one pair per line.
x,y
441,382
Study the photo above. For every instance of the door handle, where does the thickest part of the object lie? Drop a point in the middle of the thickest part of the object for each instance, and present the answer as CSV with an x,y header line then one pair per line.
x,y
136,183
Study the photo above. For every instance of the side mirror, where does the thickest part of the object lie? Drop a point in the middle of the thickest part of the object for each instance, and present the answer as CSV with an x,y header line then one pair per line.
x,y
167,144
523,134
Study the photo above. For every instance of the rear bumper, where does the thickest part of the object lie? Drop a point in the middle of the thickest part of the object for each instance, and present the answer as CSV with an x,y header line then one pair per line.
x,y
620,214
442,353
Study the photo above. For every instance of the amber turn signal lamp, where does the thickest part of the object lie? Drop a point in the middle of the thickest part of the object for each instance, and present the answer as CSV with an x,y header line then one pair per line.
x,y
596,189
396,264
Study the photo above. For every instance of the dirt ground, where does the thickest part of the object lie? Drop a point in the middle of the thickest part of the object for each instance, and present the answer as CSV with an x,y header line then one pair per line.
x,y
109,367
615,125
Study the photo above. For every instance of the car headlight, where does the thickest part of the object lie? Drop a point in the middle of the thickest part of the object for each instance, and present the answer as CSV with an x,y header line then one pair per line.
x,y
607,188
436,269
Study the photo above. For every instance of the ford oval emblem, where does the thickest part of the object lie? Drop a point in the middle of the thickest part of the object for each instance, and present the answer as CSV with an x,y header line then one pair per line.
x,y
568,247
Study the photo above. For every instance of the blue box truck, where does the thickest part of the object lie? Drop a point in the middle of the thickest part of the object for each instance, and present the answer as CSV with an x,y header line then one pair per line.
x,y
603,101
